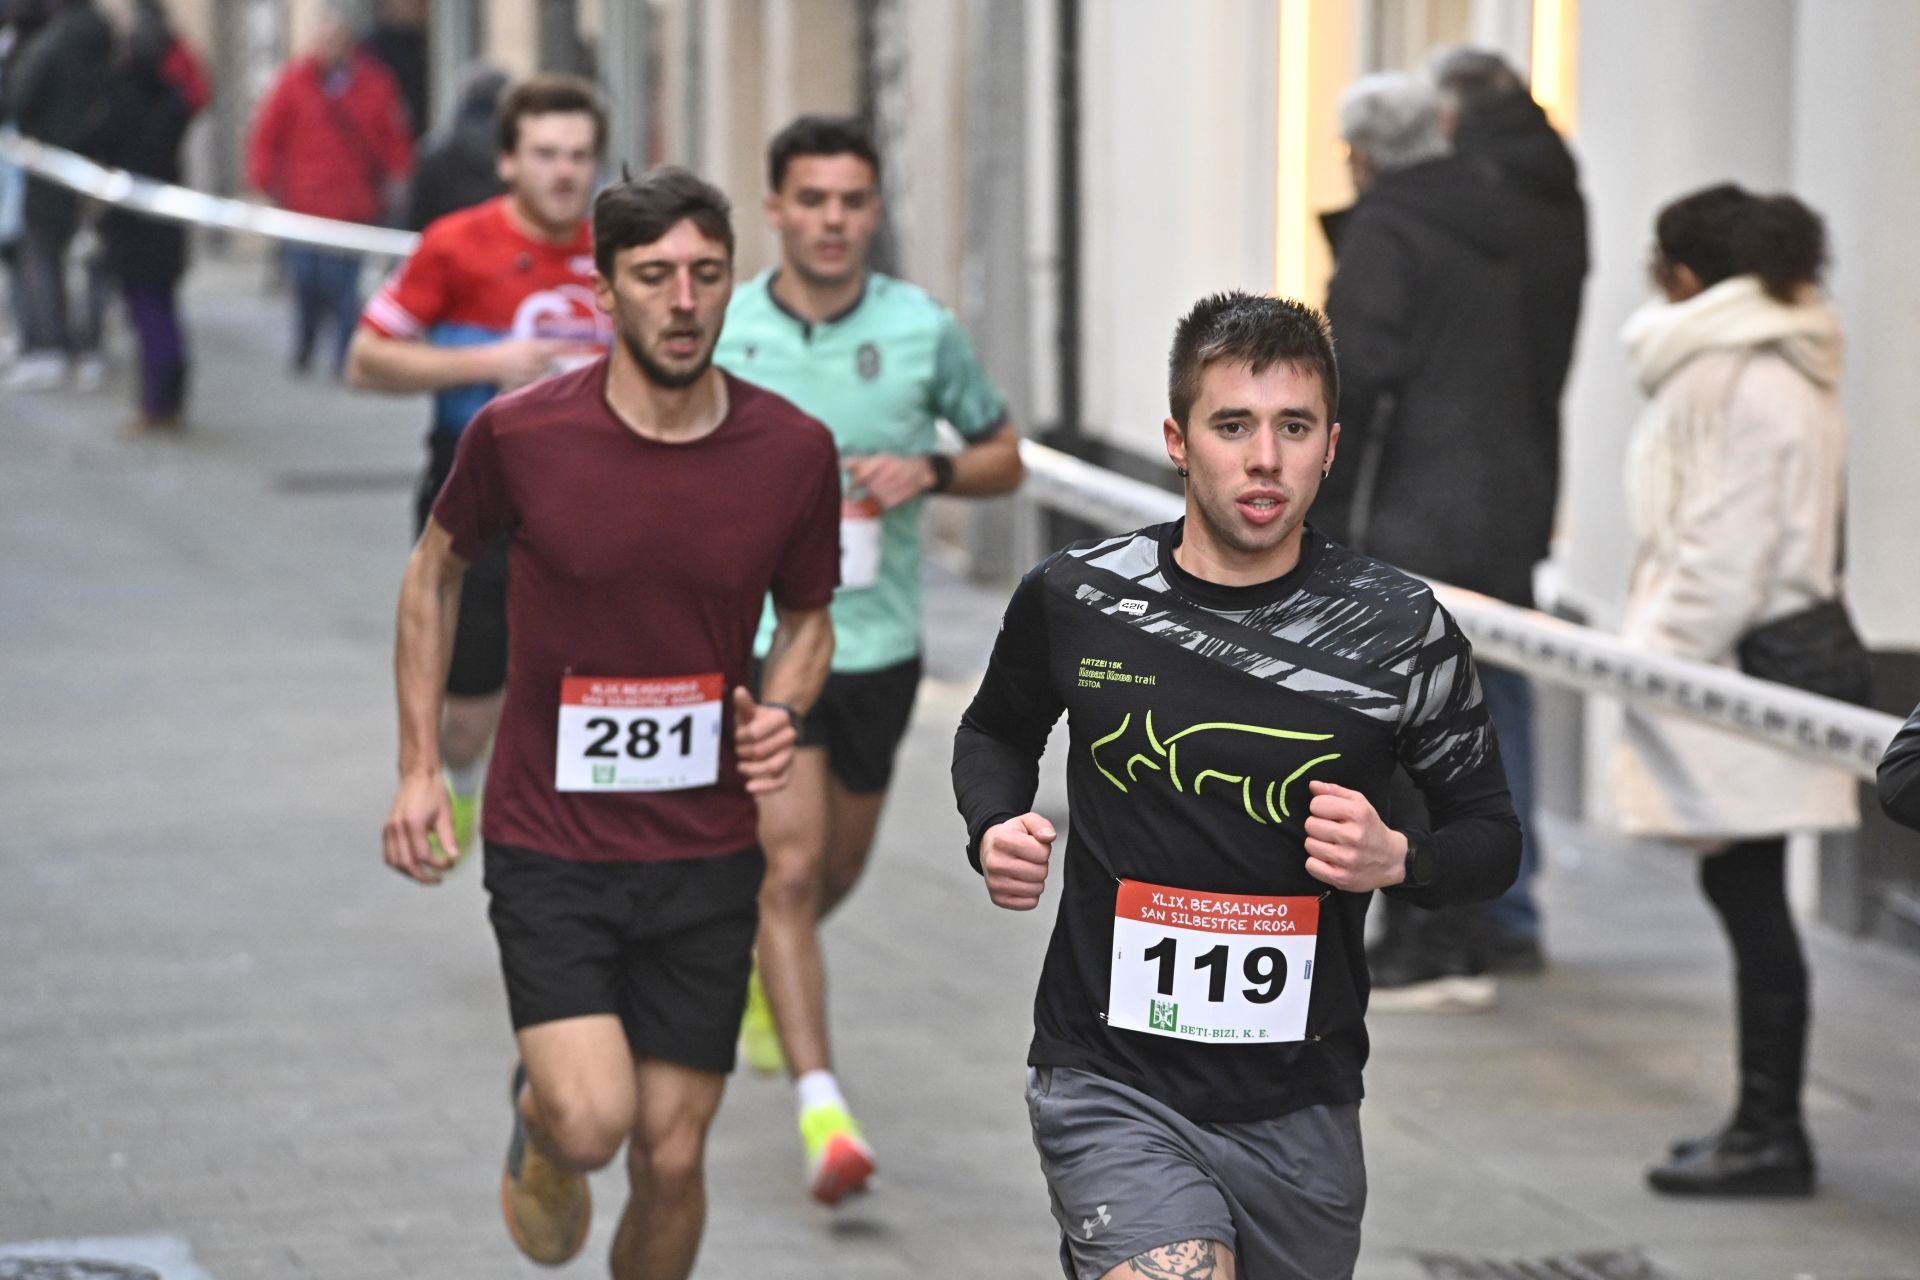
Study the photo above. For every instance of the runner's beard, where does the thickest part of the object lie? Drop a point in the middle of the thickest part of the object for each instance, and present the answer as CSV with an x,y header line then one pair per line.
x,y
659,374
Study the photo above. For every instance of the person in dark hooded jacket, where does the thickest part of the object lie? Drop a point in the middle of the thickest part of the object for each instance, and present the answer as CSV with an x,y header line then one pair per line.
x,y
1446,468
1497,127
459,166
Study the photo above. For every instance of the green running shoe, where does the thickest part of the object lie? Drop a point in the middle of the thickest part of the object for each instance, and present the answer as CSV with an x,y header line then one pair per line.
x,y
759,1036
839,1161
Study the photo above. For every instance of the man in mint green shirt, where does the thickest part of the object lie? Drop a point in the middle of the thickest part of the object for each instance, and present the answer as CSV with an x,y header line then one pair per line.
x,y
880,363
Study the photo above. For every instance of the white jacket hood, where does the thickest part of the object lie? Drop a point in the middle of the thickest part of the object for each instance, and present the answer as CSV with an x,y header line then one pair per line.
x,y
1661,336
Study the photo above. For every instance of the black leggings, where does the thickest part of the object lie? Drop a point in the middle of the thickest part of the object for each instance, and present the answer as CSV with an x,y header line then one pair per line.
x,y
1747,886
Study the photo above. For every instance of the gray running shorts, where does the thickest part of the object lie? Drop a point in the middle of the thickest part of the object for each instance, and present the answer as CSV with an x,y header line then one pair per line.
x,y
1127,1174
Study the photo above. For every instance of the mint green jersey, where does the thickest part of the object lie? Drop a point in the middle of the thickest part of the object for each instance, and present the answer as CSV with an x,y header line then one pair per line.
x,y
879,375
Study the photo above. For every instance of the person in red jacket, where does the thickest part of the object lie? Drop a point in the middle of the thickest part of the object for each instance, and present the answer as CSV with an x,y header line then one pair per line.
x,y
331,139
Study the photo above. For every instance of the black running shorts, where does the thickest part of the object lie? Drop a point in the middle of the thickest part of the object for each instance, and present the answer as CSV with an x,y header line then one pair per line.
x,y
479,665
664,946
860,718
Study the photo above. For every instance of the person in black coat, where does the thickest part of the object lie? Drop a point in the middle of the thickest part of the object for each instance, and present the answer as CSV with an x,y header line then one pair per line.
x,y
1441,470
1446,467
151,99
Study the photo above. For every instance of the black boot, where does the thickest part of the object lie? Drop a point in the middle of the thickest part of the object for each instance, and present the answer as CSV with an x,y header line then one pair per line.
x,y
1763,1150
1681,1146
1740,1161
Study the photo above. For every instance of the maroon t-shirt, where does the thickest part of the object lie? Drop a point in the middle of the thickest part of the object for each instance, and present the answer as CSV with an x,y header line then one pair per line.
x,y
634,560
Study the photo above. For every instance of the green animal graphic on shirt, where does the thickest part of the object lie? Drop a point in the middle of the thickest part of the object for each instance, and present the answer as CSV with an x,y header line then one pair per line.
x,y
1181,758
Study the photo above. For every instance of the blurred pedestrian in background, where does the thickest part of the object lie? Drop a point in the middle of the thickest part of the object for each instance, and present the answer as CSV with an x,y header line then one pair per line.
x,y
459,165
1498,128
53,94
156,90
331,139
398,38
1736,486
1441,469
18,20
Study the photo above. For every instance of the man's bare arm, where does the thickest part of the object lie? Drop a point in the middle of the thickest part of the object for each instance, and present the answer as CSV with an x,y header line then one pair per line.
x,y
990,467
798,657
403,366
423,646
764,734
984,469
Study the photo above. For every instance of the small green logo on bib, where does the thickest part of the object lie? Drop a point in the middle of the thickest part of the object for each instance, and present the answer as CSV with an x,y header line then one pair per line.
x,y
1164,1015
603,775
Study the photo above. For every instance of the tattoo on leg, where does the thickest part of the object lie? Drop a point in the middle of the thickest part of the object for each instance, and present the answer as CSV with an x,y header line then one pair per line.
x,y
1188,1260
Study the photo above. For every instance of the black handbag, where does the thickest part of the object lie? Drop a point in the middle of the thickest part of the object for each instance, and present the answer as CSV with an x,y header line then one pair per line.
x,y
1815,649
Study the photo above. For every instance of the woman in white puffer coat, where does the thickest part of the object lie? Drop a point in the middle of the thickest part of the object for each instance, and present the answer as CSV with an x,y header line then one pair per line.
x,y
1736,483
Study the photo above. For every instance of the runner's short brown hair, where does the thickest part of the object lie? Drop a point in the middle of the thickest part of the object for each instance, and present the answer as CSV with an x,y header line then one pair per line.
x,y
637,211
550,95
1258,330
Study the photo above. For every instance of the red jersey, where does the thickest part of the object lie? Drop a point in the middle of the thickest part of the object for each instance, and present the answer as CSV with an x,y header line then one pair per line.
x,y
476,278
635,583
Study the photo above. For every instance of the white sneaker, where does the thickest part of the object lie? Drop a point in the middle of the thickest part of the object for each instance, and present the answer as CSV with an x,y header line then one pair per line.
x,y
1453,993
37,371
89,373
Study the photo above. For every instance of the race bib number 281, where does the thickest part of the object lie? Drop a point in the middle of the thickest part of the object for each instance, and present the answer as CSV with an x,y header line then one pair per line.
x,y
639,735
1223,968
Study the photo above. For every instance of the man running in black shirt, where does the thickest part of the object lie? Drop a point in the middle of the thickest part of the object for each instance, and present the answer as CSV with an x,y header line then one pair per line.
x,y
1239,693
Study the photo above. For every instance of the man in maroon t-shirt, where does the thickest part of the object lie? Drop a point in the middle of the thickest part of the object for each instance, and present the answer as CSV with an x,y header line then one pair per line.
x,y
652,502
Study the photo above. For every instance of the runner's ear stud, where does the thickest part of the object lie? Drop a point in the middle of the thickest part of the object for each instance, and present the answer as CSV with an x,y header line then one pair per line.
x,y
1181,472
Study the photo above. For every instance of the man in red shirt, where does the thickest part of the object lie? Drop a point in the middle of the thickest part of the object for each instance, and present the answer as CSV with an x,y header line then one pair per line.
x,y
331,139
653,502
494,297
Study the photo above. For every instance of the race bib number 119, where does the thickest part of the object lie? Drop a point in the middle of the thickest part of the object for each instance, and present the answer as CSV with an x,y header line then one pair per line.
x,y
639,735
1223,968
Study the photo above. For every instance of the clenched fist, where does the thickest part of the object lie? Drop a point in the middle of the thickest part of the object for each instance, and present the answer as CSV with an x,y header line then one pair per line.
x,y
1014,854
1348,846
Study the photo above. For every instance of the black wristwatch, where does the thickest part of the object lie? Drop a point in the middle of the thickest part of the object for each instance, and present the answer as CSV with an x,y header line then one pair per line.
x,y
942,472
792,714
1420,864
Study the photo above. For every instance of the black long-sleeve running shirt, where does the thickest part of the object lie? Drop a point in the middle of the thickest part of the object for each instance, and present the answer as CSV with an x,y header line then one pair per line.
x,y
1197,716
